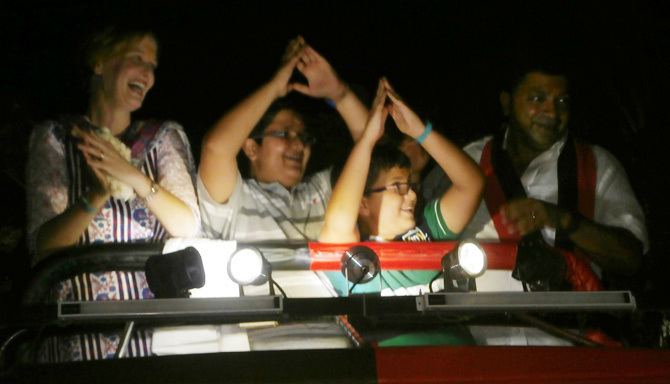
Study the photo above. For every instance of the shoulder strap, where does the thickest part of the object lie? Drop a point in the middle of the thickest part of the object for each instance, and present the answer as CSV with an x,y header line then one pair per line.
x,y
140,136
586,176
502,183
576,193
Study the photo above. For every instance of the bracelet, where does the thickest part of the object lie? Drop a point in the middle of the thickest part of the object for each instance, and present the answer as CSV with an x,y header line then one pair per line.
x,y
86,205
332,103
426,132
153,190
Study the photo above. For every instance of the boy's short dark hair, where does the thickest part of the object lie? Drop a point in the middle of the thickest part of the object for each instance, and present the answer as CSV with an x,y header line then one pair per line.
x,y
384,157
284,103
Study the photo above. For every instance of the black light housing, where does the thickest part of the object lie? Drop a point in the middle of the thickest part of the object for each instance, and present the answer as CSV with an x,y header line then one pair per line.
x,y
173,274
462,265
539,266
360,264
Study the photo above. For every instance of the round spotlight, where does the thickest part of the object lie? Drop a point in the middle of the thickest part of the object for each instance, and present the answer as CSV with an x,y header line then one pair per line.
x,y
471,258
360,264
466,261
247,266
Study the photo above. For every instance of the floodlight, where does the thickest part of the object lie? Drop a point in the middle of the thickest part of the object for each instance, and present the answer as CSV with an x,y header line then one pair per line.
x,y
463,264
247,266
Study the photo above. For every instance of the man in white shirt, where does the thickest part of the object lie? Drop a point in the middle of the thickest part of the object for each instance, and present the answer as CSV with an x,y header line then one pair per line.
x,y
596,214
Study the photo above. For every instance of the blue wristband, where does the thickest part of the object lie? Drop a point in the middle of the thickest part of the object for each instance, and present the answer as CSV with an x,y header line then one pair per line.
x,y
86,205
426,132
331,103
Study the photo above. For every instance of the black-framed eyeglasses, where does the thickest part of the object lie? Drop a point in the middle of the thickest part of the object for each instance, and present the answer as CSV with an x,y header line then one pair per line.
x,y
400,188
305,137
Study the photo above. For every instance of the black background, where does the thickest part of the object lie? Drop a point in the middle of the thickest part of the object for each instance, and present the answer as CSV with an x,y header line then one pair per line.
x,y
444,57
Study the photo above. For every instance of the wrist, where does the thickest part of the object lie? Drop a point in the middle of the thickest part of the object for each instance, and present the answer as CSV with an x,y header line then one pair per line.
x,y
97,197
338,96
150,190
569,222
91,202
426,131
367,142
86,205
273,89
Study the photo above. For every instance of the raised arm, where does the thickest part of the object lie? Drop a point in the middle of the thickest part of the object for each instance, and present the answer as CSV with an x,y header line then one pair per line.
x,y
461,200
342,212
218,162
323,82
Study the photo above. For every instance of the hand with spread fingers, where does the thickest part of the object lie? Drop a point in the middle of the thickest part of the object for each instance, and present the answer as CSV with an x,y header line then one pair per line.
x,y
407,121
322,80
524,216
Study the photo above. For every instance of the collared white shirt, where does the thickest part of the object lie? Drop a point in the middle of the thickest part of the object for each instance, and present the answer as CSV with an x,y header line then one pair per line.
x,y
615,203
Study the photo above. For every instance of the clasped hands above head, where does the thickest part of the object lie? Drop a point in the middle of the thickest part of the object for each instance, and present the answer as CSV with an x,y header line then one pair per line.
x,y
387,101
322,80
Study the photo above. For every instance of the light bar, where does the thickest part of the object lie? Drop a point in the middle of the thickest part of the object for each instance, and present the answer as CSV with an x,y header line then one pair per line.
x,y
526,301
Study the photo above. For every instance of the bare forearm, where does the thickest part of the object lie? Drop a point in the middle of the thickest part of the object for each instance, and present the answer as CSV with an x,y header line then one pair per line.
x,y
177,217
614,249
461,200
228,134
461,169
353,112
65,229
344,204
218,163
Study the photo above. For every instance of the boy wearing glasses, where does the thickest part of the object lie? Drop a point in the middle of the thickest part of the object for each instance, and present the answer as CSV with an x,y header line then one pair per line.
x,y
374,199
275,203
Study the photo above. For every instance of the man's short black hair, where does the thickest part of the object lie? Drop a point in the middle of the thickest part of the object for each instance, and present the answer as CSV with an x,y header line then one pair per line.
x,y
521,64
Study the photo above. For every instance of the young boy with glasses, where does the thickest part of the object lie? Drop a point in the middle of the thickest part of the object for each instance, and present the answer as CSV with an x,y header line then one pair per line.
x,y
374,199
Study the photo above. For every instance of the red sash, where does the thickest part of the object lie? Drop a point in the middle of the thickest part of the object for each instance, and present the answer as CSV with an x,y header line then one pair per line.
x,y
579,272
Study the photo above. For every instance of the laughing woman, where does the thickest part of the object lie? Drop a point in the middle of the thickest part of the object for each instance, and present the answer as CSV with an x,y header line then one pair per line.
x,y
104,178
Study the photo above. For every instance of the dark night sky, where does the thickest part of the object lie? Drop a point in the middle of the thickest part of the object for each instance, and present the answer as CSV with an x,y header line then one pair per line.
x,y
444,57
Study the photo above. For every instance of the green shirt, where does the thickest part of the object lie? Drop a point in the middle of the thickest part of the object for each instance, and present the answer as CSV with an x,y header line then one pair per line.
x,y
403,282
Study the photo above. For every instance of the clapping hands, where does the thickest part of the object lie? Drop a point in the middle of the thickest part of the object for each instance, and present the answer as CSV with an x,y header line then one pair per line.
x,y
105,161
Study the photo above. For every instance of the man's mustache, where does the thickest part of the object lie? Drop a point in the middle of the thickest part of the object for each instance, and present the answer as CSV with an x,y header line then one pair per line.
x,y
546,121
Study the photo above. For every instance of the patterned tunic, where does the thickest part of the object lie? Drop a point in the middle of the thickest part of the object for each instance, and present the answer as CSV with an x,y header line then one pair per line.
x,y
57,177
